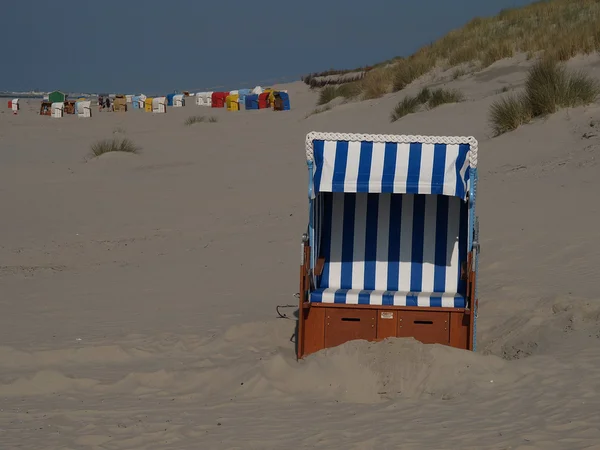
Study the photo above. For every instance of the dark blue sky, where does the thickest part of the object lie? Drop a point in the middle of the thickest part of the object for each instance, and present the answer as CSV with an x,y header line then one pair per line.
x,y
158,45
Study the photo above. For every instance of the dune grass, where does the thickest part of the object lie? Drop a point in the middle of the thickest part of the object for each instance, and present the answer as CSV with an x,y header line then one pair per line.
x,y
327,94
509,113
376,84
114,145
549,87
407,105
441,96
559,28
350,90
424,95
191,120
428,97
331,92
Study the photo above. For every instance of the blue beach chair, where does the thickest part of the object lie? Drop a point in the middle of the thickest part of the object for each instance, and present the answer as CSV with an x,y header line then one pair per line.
x,y
391,247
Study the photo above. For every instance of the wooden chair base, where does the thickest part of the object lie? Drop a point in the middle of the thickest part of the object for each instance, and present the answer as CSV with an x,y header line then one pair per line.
x,y
325,326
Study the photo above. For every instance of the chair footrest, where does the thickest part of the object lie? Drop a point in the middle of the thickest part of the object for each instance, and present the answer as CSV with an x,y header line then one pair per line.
x,y
388,298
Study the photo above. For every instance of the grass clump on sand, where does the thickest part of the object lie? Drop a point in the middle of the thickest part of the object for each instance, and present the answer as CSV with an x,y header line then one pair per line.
x,y
114,145
346,90
426,96
200,119
509,113
407,105
441,96
349,90
327,94
549,87
376,84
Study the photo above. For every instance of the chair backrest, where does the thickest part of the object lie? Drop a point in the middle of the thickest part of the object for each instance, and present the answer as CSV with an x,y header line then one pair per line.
x,y
393,242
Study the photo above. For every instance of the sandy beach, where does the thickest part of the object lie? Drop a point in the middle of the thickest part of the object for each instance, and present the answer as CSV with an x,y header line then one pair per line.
x,y
139,291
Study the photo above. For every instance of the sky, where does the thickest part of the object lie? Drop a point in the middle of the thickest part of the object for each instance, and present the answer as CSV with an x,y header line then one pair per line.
x,y
153,46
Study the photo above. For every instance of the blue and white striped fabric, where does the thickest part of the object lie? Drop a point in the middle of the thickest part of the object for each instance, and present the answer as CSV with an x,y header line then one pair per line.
x,y
392,249
390,167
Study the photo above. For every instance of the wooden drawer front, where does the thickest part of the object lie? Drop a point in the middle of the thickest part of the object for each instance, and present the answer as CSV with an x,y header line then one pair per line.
x,y
347,324
428,327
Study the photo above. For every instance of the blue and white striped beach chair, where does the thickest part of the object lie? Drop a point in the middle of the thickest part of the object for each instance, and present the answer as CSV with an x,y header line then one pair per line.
x,y
391,247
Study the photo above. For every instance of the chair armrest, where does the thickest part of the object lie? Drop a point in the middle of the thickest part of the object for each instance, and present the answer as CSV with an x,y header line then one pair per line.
x,y
319,266
464,271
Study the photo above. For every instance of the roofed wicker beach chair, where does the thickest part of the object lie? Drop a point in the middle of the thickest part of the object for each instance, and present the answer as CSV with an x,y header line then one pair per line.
x,y
391,247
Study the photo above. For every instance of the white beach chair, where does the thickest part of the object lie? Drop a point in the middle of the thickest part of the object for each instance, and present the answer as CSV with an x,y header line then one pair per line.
x,y
57,110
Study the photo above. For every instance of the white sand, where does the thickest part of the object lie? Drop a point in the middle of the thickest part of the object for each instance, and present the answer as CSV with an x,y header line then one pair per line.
x,y
139,292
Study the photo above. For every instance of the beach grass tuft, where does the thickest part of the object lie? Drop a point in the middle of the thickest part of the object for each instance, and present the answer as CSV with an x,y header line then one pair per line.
x,y
549,87
191,120
426,96
327,94
114,145
407,105
441,96
509,113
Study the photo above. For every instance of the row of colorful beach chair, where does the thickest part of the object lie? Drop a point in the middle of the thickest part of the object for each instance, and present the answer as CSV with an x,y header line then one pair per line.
x,y
246,98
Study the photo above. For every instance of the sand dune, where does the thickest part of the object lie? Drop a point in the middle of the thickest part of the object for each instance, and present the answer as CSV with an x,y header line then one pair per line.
x,y
139,291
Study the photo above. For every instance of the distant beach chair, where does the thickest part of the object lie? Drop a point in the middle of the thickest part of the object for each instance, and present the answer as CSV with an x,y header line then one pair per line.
x,y
218,99
148,104
242,96
251,102
13,105
392,242
120,103
201,99
282,101
263,100
57,109
83,108
159,105
178,101
232,102
170,98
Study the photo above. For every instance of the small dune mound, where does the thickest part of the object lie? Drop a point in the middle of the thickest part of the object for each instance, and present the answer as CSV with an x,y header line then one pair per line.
x,y
45,382
357,371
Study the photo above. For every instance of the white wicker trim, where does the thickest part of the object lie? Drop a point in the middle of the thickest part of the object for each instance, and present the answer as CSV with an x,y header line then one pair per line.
x,y
401,139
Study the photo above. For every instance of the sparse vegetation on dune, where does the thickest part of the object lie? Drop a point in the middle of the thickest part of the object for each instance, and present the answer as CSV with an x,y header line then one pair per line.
x,y
549,87
376,84
441,96
114,145
509,113
327,94
407,105
426,96
559,28
330,92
